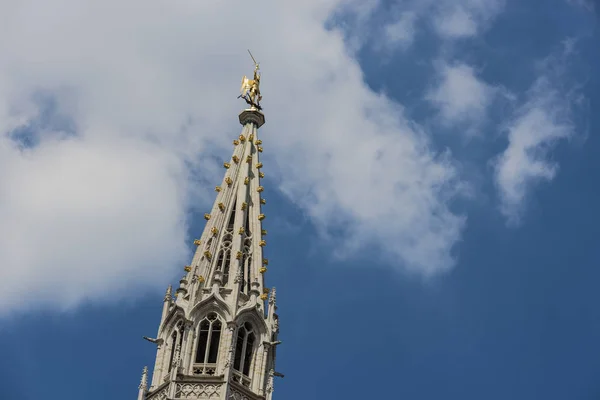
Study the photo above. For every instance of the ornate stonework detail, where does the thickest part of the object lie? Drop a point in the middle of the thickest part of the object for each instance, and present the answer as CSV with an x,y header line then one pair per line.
x,y
204,369
239,276
270,381
240,378
159,395
235,395
198,391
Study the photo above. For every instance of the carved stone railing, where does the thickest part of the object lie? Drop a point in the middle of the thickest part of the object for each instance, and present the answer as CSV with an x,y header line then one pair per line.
x,y
240,378
161,393
239,392
204,369
196,390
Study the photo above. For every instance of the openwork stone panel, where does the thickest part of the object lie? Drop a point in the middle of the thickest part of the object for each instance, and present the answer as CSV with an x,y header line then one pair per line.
x,y
197,391
159,395
235,395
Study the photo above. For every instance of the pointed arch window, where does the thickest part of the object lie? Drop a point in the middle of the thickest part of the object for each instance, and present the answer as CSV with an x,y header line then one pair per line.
x,y
247,223
207,350
231,217
246,264
226,268
224,258
174,343
244,349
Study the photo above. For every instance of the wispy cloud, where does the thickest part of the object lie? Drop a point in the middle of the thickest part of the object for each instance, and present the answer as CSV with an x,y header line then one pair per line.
x,y
544,118
375,24
465,18
586,4
460,95
456,23
400,33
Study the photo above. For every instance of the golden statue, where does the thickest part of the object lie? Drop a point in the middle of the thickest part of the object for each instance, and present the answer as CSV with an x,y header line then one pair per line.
x,y
250,90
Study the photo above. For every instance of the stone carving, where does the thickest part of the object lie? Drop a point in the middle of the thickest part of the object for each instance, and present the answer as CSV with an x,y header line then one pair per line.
x,y
160,395
197,391
270,381
235,395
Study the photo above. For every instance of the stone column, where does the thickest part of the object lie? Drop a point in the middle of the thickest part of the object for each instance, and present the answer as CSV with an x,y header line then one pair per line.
x,y
188,345
259,373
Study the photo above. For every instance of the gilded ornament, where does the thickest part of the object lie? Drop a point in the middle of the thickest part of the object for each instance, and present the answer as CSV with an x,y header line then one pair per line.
x,y
242,138
228,181
200,279
259,165
235,159
236,142
258,142
249,159
262,270
266,261
266,290
261,217
221,206
197,242
260,149
260,189
262,243
263,201
187,268
263,232
250,90
207,254
207,216
244,205
261,174
264,296
214,230
241,230
246,180
238,255
226,165
217,188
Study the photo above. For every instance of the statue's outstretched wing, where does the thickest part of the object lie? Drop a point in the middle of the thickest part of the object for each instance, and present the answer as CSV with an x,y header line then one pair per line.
x,y
244,87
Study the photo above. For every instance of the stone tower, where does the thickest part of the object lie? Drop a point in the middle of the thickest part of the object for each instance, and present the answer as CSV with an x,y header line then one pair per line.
x,y
218,330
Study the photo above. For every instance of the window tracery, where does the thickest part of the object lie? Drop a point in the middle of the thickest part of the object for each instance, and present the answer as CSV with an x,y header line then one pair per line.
x,y
176,340
207,348
224,258
246,264
244,350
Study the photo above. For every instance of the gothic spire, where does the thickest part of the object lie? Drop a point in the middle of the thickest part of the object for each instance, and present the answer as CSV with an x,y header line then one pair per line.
x,y
218,328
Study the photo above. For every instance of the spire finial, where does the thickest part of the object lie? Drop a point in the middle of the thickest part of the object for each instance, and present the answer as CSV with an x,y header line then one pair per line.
x,y
250,90
272,298
144,380
168,293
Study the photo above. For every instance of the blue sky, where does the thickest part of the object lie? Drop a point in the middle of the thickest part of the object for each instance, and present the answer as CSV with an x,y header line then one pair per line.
x,y
431,185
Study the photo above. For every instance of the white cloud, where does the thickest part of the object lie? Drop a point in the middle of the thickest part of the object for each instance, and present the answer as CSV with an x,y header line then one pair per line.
x,y
457,23
460,95
450,19
544,119
401,32
587,4
465,18
147,85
